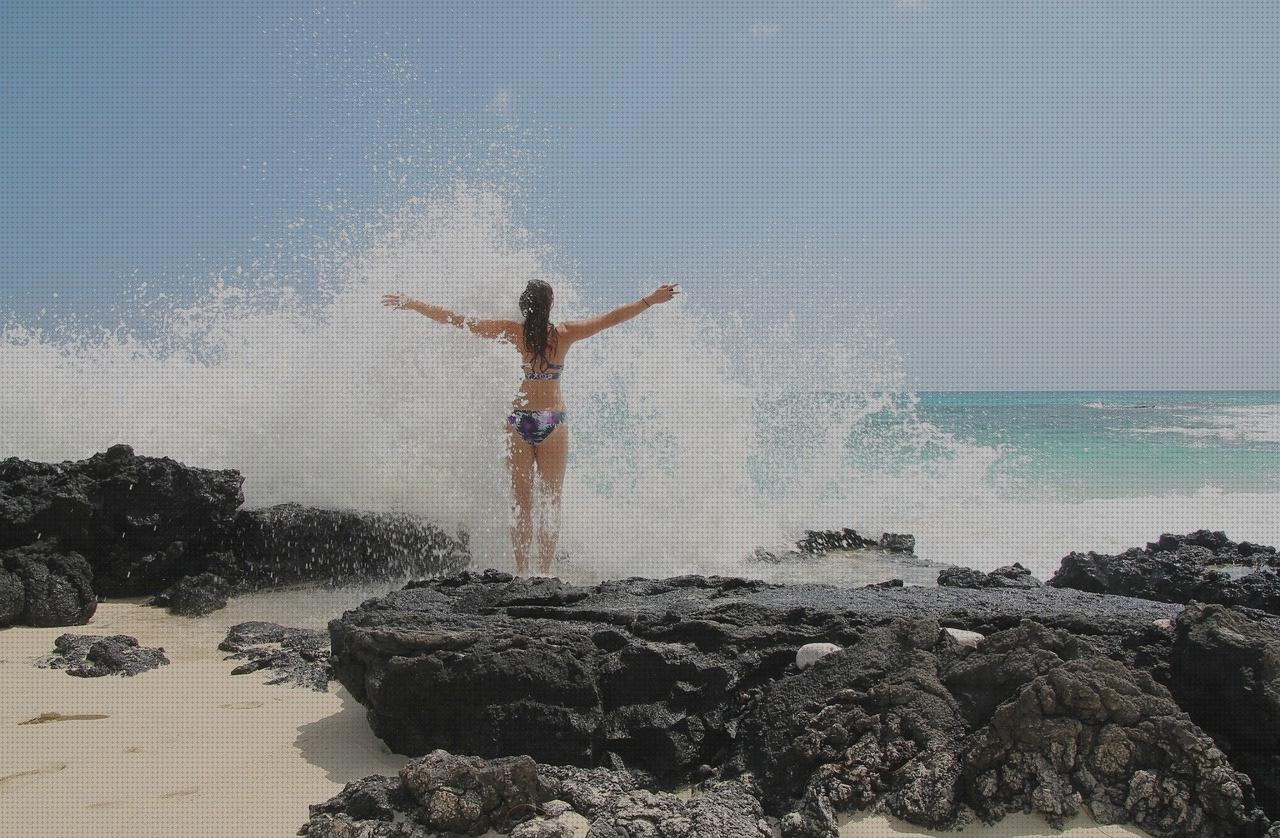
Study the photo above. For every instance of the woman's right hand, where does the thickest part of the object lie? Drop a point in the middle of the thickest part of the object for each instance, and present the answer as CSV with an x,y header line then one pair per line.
x,y
396,300
665,292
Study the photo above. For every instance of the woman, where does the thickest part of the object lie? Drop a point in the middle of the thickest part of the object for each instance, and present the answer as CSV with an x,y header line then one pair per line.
x,y
536,430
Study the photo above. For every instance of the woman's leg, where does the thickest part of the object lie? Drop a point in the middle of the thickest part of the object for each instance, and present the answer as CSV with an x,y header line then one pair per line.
x,y
551,455
520,462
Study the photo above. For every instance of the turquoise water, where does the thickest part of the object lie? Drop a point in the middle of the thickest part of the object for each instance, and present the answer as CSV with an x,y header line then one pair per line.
x,y
1110,444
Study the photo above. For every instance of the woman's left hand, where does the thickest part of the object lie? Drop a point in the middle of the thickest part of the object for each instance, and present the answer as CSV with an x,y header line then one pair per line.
x,y
396,300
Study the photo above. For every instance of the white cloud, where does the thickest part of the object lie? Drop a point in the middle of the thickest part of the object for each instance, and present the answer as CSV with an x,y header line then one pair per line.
x,y
501,101
764,29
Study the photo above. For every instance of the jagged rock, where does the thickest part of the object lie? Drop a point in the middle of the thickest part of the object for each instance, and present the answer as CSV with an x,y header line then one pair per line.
x,y
443,794
871,723
637,673
1226,674
898,542
300,656
1036,719
195,596
13,597
289,543
1203,566
94,655
692,677
992,674
888,583
1009,576
820,541
816,542
555,828
724,808
138,521
41,586
469,794
1094,733
143,523
808,654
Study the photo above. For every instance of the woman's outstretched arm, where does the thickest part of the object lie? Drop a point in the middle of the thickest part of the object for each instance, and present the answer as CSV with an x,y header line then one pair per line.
x,y
505,329
580,329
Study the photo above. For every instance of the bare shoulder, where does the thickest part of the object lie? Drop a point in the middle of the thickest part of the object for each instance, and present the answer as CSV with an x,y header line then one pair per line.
x,y
565,336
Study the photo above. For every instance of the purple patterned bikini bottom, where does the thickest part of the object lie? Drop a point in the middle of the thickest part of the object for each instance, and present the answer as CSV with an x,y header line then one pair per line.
x,y
535,425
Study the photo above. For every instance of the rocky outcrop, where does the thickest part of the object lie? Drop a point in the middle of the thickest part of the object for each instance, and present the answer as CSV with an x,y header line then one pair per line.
x,y
93,655
928,712
147,524
1095,734
1035,720
442,793
1204,566
138,520
941,705
1226,673
1009,576
291,543
298,656
820,541
41,586
195,596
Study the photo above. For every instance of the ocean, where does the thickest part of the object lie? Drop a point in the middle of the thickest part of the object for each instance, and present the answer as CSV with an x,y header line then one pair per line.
x,y
1081,445
696,435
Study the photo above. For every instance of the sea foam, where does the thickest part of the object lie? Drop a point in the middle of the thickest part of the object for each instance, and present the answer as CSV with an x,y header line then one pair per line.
x,y
696,435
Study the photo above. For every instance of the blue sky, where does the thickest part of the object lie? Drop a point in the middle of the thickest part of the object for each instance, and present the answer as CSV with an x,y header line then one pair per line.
x,y
1027,194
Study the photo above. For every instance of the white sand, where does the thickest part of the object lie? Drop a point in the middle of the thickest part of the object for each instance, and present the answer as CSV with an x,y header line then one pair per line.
x,y
187,749
191,750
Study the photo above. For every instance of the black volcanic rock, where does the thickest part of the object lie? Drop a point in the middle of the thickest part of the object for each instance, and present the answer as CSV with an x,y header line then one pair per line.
x,y
1094,733
816,542
820,541
1034,720
694,678
93,655
138,520
13,596
41,586
1225,669
872,722
1009,576
641,673
299,656
290,543
145,523
1181,568
442,795
898,542
195,596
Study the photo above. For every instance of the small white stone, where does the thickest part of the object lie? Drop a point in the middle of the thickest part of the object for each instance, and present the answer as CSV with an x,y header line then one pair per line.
x,y
1166,624
809,653
970,639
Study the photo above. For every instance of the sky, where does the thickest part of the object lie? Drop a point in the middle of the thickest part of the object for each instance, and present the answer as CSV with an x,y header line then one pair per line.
x,y
1024,195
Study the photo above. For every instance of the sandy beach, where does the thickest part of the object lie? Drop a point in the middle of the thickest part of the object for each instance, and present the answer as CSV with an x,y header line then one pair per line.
x,y
184,750
191,750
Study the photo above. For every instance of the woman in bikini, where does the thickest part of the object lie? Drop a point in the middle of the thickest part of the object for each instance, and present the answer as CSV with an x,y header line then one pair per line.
x,y
536,430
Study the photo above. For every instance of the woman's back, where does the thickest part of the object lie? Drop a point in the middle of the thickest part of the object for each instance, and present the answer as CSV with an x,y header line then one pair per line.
x,y
540,389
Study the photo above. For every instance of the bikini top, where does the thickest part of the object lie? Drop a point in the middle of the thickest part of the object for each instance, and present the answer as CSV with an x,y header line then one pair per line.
x,y
552,372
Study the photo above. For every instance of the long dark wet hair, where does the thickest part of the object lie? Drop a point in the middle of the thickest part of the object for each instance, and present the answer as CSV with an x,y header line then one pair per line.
x,y
535,305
